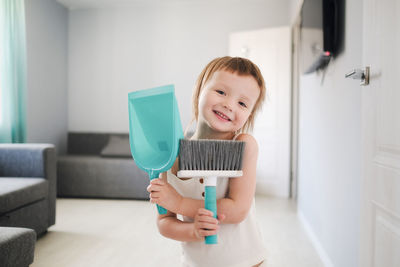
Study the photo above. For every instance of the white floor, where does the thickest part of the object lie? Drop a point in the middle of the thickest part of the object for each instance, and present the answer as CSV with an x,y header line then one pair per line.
x,y
94,232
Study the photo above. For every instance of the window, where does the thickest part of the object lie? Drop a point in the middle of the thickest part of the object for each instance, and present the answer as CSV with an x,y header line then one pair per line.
x,y
12,71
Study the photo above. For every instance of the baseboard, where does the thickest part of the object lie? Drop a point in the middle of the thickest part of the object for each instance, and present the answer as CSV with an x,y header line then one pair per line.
x,y
314,240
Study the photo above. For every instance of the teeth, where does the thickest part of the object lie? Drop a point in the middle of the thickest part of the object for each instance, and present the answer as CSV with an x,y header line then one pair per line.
x,y
222,115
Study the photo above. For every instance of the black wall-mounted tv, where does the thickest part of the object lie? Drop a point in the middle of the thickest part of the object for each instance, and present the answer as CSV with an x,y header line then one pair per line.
x,y
322,31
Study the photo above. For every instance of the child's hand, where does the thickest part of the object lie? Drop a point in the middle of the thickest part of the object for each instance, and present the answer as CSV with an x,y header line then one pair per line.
x,y
205,224
163,194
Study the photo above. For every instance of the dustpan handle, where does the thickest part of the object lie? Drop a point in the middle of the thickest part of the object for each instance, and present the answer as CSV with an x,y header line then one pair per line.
x,y
161,210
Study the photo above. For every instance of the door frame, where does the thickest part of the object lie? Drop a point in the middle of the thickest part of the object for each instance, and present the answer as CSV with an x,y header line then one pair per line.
x,y
295,76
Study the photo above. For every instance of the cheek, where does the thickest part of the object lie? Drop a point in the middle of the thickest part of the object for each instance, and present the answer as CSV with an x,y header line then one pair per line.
x,y
244,116
204,101
201,104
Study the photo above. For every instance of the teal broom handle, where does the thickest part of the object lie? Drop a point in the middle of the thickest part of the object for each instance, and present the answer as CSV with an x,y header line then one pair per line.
x,y
210,203
153,175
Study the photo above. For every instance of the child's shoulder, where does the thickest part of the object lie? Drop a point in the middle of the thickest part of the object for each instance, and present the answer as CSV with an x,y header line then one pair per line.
x,y
245,137
251,142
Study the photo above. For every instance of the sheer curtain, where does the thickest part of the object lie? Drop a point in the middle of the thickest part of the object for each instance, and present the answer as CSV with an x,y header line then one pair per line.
x,y
12,72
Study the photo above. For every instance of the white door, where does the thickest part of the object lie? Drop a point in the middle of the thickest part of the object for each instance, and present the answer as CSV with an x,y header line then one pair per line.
x,y
270,50
380,214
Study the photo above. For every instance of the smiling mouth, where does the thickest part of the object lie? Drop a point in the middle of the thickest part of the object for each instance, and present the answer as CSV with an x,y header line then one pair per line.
x,y
222,116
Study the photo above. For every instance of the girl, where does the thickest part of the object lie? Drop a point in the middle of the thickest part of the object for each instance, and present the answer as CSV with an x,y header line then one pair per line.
x,y
228,94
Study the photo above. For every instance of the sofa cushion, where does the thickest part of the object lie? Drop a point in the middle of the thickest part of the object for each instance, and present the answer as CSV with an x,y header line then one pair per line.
x,y
117,146
16,192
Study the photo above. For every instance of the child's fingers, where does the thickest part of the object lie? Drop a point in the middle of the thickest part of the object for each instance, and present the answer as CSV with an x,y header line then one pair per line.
x,y
221,217
154,188
153,198
207,219
206,222
149,188
203,211
154,195
205,229
208,226
157,181
163,177
207,232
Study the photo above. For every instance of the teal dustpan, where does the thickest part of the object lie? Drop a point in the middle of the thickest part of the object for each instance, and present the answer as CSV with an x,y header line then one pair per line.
x,y
154,130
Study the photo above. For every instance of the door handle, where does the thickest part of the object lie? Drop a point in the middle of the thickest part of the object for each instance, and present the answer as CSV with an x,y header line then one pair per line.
x,y
359,74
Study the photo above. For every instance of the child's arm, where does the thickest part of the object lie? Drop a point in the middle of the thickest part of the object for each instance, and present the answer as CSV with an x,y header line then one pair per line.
x,y
241,190
235,206
204,224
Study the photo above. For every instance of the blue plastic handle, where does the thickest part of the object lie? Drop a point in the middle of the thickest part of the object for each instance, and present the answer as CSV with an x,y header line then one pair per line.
x,y
153,175
210,203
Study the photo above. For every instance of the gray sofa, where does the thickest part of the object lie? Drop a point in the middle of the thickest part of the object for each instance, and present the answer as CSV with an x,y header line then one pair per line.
x,y
28,186
100,165
17,246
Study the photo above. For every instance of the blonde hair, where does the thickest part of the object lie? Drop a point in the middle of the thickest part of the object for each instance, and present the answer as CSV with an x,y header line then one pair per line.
x,y
236,65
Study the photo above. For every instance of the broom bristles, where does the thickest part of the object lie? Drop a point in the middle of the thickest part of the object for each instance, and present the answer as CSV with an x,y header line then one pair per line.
x,y
206,154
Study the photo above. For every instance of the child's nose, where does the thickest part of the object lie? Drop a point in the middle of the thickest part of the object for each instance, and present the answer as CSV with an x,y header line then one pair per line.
x,y
228,104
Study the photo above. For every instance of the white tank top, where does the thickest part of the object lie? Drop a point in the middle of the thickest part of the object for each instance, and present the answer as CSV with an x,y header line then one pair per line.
x,y
239,245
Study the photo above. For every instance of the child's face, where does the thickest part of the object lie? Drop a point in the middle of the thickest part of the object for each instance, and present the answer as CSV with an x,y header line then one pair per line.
x,y
227,100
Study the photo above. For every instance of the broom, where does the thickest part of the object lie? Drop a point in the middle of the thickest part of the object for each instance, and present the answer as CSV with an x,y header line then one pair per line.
x,y
210,159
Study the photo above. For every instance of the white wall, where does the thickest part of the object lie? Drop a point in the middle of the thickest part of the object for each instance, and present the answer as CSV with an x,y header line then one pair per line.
x,y
113,51
329,151
47,33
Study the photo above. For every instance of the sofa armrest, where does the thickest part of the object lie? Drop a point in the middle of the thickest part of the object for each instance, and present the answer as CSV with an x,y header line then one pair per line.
x,y
31,160
24,160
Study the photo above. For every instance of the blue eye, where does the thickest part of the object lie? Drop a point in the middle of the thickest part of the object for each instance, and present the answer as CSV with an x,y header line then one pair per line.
x,y
220,92
243,104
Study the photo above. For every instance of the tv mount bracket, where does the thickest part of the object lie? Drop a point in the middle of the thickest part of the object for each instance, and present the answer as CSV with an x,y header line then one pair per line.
x,y
359,74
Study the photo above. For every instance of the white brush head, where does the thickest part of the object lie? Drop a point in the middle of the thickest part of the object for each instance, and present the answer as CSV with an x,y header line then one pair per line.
x,y
202,174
